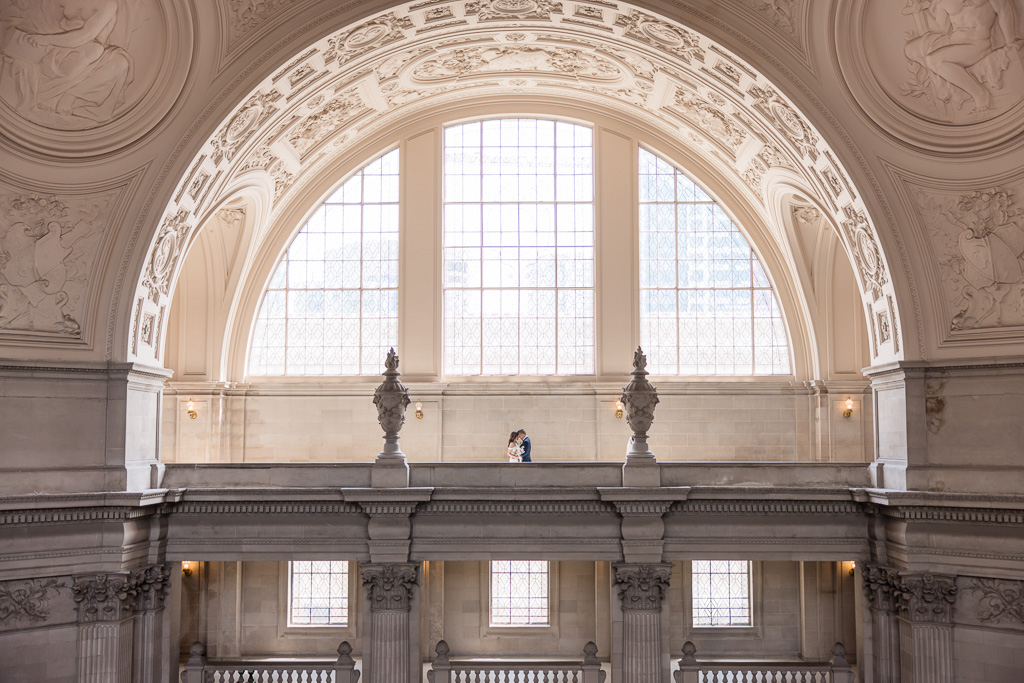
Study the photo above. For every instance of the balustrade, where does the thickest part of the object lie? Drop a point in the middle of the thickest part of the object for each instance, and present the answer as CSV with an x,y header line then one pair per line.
x,y
836,670
200,670
444,670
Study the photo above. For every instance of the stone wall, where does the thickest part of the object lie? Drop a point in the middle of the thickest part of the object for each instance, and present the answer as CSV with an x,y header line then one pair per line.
x,y
777,422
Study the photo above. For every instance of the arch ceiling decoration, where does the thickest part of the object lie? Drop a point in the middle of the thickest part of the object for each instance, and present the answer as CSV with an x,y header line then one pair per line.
x,y
356,82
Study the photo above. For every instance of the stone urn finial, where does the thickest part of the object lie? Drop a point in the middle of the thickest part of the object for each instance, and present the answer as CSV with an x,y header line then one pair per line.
x,y
639,397
391,399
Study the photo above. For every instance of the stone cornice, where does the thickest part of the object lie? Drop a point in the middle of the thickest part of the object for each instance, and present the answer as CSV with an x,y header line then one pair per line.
x,y
525,507
766,507
268,508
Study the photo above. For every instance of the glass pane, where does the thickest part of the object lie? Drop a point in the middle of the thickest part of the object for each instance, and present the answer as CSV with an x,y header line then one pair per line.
x,y
331,307
706,306
721,593
518,248
519,593
318,593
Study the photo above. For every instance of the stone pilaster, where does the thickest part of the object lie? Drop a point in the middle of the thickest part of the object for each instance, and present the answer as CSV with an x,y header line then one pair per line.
x,y
151,584
925,603
106,605
387,654
641,589
880,586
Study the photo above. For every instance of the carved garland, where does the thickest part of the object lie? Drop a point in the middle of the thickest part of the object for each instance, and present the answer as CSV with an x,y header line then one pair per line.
x,y
27,600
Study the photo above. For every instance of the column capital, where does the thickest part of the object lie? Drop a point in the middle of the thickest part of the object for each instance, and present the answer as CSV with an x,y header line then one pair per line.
x,y
642,586
152,584
926,598
104,597
880,585
389,586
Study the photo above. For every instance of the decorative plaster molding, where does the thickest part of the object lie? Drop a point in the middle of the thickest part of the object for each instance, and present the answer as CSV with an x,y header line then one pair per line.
x,y
642,586
926,597
486,507
389,586
766,507
152,584
27,601
266,508
641,46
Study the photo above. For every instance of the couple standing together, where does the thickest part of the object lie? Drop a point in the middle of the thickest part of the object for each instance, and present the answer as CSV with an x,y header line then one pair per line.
x,y
519,447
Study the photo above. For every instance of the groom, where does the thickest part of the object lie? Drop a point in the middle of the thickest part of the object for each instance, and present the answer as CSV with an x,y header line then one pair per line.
x,y
526,446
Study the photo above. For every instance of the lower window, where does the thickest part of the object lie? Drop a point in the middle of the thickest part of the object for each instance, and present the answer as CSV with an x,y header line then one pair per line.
x,y
519,593
721,592
318,593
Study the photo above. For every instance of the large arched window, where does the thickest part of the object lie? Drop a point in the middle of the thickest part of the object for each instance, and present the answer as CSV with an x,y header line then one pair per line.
x,y
332,304
706,305
518,248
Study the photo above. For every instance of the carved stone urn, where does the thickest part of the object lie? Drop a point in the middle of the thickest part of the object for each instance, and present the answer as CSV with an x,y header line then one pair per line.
x,y
639,398
391,399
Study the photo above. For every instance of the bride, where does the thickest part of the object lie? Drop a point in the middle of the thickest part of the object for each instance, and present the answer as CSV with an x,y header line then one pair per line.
x,y
515,447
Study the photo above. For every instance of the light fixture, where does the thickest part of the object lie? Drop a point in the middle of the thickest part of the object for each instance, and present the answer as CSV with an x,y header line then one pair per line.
x,y
849,408
190,407
618,409
186,568
419,410
853,567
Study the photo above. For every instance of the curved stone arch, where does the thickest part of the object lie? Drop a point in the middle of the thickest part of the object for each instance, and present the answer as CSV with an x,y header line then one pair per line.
x,y
249,197
753,125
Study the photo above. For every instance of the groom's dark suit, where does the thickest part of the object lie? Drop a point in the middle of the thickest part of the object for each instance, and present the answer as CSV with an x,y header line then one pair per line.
x,y
526,450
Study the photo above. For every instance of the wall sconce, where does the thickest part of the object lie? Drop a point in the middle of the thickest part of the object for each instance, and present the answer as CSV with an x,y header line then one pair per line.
x,y
618,409
853,567
190,408
849,408
186,568
419,410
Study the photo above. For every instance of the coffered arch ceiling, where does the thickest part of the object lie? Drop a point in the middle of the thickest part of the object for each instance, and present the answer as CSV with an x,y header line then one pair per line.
x,y
354,84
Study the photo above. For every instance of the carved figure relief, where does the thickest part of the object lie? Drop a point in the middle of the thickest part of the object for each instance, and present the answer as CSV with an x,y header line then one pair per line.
x,y
779,12
48,246
77,64
979,242
960,55
248,14
865,251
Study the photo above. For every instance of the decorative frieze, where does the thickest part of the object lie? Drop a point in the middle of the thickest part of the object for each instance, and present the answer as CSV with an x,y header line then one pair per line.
x,y
389,586
27,602
642,586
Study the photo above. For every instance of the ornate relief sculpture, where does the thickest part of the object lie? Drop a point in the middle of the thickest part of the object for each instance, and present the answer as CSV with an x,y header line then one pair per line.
x,y
170,244
1000,601
47,249
926,597
865,251
67,63
27,601
980,240
880,586
960,50
104,597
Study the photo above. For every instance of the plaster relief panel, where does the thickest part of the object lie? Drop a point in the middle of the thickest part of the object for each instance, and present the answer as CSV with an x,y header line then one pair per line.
x,y
49,245
990,602
70,69
963,66
978,242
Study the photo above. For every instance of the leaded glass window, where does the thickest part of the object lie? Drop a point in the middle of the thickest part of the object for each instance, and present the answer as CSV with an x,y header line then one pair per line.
x,y
519,593
332,304
518,248
721,593
318,593
707,307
